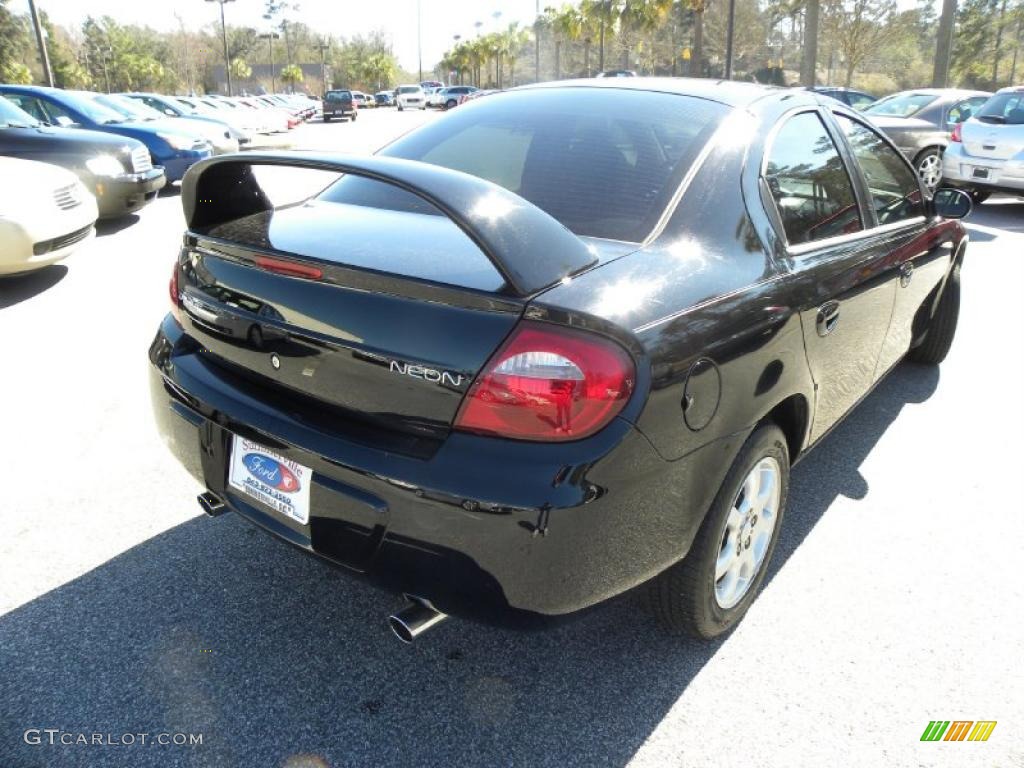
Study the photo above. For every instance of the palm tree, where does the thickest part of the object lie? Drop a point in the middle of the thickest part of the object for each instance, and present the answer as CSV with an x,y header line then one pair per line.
x,y
515,40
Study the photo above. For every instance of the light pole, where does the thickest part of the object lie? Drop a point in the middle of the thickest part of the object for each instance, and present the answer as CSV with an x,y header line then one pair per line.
x,y
536,43
419,37
270,37
730,29
324,47
224,39
456,38
44,57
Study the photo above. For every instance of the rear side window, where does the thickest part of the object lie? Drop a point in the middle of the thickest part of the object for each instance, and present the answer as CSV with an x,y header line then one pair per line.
x,y
809,182
602,162
1003,108
895,192
964,109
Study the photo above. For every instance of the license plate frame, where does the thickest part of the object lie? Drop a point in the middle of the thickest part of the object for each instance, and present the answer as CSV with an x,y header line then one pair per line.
x,y
263,474
979,173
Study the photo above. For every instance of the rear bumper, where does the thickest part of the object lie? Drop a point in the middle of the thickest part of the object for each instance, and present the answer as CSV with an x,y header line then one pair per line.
x,y
488,529
962,169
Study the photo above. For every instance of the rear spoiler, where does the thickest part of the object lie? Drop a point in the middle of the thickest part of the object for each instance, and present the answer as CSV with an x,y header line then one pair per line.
x,y
529,248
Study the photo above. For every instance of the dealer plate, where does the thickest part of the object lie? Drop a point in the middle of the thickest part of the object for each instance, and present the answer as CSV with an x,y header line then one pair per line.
x,y
267,476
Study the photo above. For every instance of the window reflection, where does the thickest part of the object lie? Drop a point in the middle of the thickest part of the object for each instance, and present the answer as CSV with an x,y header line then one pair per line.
x,y
895,193
809,182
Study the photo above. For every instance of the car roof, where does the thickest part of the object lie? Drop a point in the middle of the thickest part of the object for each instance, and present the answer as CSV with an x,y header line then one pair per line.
x,y
1012,89
728,92
952,92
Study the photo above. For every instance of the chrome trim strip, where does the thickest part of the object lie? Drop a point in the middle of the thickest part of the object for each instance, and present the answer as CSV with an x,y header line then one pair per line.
x,y
852,237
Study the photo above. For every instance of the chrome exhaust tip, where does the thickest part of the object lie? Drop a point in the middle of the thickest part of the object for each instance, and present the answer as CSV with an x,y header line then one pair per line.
x,y
415,619
211,504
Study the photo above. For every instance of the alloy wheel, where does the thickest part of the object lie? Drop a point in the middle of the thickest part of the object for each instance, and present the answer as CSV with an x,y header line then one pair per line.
x,y
929,168
749,528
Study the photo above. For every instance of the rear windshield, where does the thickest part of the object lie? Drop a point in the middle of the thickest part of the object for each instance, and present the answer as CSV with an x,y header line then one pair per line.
x,y
339,95
1003,108
603,162
410,89
901,104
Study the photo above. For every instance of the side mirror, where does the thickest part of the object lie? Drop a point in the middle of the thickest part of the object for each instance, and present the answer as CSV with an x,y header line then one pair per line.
x,y
951,203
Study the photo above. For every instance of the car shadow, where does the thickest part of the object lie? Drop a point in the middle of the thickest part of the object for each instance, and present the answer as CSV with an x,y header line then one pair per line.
x,y
277,659
18,288
106,227
172,189
1005,214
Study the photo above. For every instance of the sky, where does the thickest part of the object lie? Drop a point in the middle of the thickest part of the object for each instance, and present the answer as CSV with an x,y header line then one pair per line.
x,y
441,19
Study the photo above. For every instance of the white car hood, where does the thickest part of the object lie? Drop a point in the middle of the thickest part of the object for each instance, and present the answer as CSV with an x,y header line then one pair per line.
x,y
30,184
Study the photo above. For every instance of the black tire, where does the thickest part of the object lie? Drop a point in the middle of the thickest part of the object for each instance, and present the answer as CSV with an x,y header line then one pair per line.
x,y
354,116
979,196
942,328
327,118
400,108
683,598
450,104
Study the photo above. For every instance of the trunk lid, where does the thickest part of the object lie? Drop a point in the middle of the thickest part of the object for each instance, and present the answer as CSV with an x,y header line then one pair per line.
x,y
380,298
992,141
384,346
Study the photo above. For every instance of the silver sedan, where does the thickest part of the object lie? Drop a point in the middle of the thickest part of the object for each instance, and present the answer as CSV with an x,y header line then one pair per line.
x,y
919,122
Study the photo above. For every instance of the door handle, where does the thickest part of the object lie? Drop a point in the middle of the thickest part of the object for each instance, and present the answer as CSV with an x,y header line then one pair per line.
x,y
906,272
828,318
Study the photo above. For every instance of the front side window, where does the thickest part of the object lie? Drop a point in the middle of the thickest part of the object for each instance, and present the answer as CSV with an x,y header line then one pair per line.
x,y
809,183
895,192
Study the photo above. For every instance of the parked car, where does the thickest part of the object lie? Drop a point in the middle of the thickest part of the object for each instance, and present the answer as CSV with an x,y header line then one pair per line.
x,y
617,73
522,387
243,119
218,137
431,84
45,214
920,122
341,104
363,101
275,119
115,169
411,97
986,151
384,99
176,107
449,97
853,98
172,149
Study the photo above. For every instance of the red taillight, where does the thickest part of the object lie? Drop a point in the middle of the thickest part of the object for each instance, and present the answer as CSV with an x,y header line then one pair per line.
x,y
290,268
175,294
956,134
548,384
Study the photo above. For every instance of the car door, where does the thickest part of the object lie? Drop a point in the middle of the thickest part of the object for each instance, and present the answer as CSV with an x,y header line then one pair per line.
x,y
837,269
918,259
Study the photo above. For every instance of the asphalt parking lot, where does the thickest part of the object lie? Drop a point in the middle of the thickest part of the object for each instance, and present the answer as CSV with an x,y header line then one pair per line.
x,y
895,596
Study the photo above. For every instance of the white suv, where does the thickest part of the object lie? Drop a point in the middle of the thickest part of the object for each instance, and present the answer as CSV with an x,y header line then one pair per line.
x,y
986,152
411,97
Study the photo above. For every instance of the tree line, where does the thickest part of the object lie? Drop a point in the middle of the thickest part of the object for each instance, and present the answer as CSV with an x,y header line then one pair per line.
x,y
102,54
871,44
876,45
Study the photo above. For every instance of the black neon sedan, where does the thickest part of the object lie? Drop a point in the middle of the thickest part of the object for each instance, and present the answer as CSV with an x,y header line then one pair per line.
x,y
563,342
